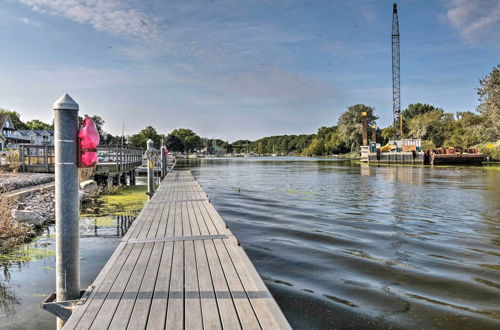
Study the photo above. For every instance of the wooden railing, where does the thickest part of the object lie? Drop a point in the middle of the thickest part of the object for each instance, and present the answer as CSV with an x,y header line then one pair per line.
x,y
118,158
112,158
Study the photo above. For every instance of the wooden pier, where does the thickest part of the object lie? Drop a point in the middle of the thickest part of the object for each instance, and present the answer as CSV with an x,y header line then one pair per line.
x,y
178,267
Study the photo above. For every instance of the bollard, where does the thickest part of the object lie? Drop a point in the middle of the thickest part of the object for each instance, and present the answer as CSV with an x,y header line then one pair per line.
x,y
67,202
149,152
163,163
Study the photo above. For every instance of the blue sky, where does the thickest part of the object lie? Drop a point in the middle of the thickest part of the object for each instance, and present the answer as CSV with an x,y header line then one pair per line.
x,y
240,69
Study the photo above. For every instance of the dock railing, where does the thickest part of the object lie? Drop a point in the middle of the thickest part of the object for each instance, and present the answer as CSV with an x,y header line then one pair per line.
x,y
112,158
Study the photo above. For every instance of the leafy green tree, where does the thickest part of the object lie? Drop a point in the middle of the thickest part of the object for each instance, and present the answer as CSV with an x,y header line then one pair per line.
x,y
349,125
182,133
388,133
113,139
15,117
140,139
334,144
173,143
489,96
192,143
434,125
412,111
36,124
466,131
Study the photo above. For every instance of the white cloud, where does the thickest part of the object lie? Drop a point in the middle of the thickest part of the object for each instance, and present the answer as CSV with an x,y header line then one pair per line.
x,y
475,20
112,16
31,22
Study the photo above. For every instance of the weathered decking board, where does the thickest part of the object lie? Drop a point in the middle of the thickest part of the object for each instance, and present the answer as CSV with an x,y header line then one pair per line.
x,y
178,266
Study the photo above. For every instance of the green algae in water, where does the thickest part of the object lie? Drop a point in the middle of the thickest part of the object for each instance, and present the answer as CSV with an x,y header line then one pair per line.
x,y
105,221
122,202
26,253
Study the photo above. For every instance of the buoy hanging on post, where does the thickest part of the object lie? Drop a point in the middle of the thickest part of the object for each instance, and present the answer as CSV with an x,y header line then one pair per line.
x,y
88,141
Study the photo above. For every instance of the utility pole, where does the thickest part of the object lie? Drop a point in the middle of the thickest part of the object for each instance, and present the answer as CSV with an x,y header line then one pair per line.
x,y
396,95
364,123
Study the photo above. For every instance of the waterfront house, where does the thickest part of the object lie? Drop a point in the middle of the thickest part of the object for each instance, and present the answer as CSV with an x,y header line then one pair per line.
x,y
37,136
9,133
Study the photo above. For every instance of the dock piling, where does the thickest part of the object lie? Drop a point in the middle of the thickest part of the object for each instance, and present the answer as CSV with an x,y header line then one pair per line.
x,y
151,163
67,202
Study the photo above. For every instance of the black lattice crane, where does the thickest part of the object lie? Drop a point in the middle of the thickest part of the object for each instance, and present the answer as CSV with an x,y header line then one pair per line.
x,y
396,95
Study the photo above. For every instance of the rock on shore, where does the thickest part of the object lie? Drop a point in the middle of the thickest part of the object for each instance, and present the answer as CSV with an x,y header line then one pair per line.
x,y
13,181
38,207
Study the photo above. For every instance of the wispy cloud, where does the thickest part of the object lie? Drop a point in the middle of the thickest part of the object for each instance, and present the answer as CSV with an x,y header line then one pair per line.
x,y
367,12
28,21
113,16
477,20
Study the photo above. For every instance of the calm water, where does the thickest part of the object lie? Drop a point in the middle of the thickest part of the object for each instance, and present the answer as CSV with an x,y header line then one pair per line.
x,y
340,245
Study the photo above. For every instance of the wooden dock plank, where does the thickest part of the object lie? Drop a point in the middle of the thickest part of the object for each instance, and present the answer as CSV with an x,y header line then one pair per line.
x,y
175,311
136,281
225,304
269,314
103,283
210,312
178,267
159,303
192,301
124,290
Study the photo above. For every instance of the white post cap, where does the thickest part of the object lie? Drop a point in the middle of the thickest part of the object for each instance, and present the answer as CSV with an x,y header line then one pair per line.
x,y
65,102
150,144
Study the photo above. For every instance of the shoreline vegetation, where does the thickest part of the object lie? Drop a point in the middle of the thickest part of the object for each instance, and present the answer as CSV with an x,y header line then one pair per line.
x,y
436,127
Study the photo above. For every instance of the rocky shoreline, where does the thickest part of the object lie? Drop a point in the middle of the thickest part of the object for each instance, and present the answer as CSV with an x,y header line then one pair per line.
x,y
14,181
36,207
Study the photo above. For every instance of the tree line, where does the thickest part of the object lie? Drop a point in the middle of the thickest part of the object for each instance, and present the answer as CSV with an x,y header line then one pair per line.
x,y
433,125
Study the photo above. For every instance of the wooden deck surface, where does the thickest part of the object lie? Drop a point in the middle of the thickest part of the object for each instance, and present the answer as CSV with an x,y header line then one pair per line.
x,y
178,267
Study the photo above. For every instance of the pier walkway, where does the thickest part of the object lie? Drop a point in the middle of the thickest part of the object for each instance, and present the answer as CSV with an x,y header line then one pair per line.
x,y
178,267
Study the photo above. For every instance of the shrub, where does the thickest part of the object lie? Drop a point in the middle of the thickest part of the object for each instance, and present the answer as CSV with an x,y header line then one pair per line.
x,y
491,149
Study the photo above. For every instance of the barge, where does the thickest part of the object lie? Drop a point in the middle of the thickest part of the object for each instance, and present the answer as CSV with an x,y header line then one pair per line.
x,y
452,156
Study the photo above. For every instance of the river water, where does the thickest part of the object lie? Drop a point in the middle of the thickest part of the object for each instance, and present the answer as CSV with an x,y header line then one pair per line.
x,y
339,244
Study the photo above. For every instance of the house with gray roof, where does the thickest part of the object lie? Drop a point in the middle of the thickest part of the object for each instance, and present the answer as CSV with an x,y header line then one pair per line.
x,y
38,136
9,134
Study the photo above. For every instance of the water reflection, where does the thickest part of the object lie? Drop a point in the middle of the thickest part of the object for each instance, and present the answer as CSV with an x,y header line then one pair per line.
x,y
346,245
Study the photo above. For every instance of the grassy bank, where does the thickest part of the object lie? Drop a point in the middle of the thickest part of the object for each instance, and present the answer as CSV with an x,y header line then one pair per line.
x,y
12,233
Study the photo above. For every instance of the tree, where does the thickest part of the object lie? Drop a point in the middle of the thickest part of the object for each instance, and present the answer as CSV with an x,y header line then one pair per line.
x,y
15,117
349,124
140,139
316,148
489,96
434,125
388,133
192,143
466,131
173,143
36,124
187,137
182,133
334,144
414,110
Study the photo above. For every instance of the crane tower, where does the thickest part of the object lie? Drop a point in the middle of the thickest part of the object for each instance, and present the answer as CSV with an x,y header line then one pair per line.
x,y
396,95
